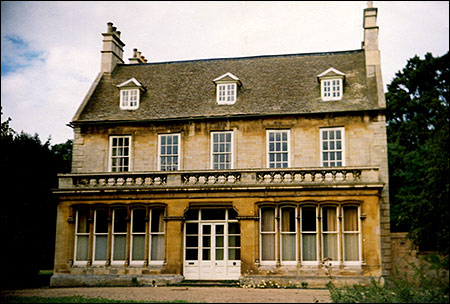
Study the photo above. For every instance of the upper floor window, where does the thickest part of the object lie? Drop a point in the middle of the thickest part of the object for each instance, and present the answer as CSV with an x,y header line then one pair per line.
x,y
331,84
278,148
130,92
222,150
226,89
332,147
119,151
169,152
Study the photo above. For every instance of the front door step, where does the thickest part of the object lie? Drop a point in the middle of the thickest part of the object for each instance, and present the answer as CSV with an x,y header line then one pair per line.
x,y
208,283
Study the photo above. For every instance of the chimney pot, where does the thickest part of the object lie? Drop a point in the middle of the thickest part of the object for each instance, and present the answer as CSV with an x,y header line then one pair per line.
x,y
110,27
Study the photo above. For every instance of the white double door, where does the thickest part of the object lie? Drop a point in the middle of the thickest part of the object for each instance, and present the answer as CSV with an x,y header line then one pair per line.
x,y
212,262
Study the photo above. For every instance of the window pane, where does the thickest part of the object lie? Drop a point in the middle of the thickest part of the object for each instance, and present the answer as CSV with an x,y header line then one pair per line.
x,y
191,254
329,219
138,250
330,246
213,214
82,221
206,254
82,247
101,221
138,220
234,254
234,241
191,241
351,218
100,247
267,219
191,228
233,228
232,214
157,223
309,247
120,247
351,247
219,254
288,219
120,221
157,251
268,247
288,246
308,218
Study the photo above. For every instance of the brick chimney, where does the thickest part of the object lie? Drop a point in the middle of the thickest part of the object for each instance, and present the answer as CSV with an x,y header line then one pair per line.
x,y
370,46
112,52
137,57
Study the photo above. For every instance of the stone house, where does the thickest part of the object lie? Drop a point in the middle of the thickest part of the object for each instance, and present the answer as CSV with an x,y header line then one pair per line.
x,y
252,168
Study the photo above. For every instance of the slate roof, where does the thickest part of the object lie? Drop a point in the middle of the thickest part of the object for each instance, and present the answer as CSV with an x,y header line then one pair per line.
x,y
271,85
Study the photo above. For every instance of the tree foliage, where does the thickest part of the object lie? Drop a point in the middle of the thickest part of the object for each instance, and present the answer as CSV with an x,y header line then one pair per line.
x,y
418,147
28,210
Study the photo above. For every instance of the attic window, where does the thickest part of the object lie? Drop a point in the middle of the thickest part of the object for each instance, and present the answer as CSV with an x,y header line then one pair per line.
x,y
226,89
331,84
130,93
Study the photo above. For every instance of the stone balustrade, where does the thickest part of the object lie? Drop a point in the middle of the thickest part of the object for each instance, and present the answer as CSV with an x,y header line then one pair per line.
x,y
228,178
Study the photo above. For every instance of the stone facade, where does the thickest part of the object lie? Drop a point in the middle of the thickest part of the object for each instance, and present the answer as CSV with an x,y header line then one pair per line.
x,y
250,220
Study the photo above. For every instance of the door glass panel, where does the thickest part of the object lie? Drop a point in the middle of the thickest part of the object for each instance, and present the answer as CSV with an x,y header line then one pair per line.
x,y
233,228
206,229
191,228
234,254
206,241
234,241
219,229
206,254
219,241
219,254
191,254
191,241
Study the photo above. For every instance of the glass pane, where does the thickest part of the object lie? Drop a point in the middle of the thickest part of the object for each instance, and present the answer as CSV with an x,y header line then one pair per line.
x,y
234,254
101,221
82,247
232,214
329,219
206,254
157,223
219,241
191,254
234,241
220,229
120,220
191,228
219,254
191,241
330,246
351,218
288,219
268,247
351,247
157,251
100,247
206,229
308,219
267,219
120,247
213,214
233,228
82,221
206,242
138,220
138,249
191,214
309,247
288,246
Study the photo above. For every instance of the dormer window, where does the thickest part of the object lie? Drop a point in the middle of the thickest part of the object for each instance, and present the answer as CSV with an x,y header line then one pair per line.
x,y
226,89
331,84
130,92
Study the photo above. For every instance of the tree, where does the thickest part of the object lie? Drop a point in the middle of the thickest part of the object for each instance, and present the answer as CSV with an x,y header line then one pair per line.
x,y
28,209
418,151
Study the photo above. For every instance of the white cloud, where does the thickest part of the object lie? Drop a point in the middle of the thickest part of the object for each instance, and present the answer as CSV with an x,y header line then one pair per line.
x,y
48,70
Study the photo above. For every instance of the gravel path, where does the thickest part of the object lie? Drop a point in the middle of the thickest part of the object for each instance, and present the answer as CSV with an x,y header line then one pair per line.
x,y
191,294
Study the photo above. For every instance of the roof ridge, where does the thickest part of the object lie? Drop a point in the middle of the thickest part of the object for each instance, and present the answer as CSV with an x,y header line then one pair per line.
x,y
246,57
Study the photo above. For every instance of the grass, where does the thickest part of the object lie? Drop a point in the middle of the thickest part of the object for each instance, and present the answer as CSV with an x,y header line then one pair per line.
x,y
74,299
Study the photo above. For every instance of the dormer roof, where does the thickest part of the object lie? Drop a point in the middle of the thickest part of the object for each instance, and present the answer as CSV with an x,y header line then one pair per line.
x,y
132,82
227,77
331,72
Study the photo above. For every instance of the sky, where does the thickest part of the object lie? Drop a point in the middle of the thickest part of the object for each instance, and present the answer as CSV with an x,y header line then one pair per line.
x,y
50,50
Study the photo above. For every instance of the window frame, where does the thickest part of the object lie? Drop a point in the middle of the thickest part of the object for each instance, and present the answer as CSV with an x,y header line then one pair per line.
x,y
295,233
342,150
127,104
96,234
274,233
337,233
231,152
157,233
228,98
288,151
133,234
328,83
315,232
129,156
178,135
77,234
358,218
114,234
